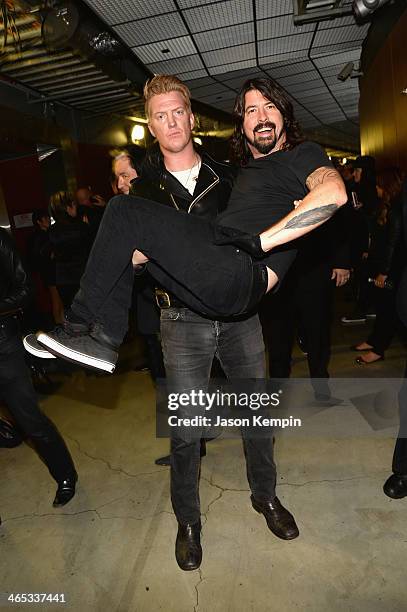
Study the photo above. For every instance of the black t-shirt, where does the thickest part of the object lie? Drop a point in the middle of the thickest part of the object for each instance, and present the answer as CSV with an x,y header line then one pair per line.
x,y
264,192
266,188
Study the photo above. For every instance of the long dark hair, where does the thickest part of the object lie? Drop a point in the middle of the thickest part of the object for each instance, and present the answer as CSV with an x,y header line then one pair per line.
x,y
240,152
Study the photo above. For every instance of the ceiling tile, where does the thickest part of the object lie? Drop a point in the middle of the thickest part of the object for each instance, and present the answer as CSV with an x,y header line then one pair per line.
x,y
178,65
337,35
281,26
284,69
192,74
113,12
271,8
284,45
232,54
234,66
218,15
177,47
225,37
143,31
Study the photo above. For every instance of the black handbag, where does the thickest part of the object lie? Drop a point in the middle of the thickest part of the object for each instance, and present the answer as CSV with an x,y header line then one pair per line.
x,y
9,435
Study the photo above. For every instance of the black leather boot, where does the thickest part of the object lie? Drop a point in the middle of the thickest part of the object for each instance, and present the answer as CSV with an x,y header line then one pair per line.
x,y
396,486
65,491
188,551
279,520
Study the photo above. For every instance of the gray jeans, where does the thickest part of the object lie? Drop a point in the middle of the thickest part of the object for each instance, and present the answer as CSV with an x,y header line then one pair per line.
x,y
190,342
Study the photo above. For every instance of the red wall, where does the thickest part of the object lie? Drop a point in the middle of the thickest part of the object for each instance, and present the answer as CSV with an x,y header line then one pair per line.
x,y
23,190
94,168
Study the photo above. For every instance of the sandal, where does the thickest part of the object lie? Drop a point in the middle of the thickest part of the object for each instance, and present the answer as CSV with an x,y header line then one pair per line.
x,y
361,361
355,348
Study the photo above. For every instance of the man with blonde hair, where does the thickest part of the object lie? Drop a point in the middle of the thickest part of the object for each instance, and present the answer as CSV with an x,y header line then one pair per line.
x,y
218,268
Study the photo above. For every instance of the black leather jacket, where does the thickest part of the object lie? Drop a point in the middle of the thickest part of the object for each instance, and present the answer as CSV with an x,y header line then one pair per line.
x,y
210,197
14,287
211,193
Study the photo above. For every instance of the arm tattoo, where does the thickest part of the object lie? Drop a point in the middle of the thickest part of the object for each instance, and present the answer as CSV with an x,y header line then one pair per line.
x,y
311,217
321,175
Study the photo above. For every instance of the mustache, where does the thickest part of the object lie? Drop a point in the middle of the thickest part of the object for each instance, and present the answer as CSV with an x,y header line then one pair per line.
x,y
266,124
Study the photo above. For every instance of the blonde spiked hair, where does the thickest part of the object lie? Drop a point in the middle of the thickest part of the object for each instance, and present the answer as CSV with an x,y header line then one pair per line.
x,y
162,84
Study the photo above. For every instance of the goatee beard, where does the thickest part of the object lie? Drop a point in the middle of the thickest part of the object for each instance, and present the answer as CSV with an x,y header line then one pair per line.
x,y
265,146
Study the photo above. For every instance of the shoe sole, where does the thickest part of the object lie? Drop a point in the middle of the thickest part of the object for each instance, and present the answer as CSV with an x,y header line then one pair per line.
x,y
292,537
37,352
60,350
360,322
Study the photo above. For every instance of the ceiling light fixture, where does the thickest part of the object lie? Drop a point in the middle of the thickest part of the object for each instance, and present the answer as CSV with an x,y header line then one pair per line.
x,y
362,9
137,133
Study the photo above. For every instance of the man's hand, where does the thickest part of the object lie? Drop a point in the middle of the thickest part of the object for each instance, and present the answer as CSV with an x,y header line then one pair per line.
x,y
380,280
139,258
341,276
97,200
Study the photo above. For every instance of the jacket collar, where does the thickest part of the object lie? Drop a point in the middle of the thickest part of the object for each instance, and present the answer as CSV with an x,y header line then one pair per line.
x,y
155,170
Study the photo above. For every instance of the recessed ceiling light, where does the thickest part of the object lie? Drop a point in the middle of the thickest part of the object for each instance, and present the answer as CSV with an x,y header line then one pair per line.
x,y
165,51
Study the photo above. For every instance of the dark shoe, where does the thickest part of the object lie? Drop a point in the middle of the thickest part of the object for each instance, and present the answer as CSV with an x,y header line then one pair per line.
x,y
91,349
10,437
396,486
65,491
33,347
188,550
166,460
279,520
356,319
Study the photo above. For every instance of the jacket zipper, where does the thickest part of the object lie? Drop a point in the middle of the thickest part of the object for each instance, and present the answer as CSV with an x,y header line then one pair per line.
x,y
201,195
205,191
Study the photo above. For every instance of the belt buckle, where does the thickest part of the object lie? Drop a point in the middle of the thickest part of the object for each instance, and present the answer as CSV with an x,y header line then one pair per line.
x,y
162,298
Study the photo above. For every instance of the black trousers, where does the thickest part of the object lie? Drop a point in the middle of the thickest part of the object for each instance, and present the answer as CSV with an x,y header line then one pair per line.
x,y
217,281
18,393
386,322
400,450
305,299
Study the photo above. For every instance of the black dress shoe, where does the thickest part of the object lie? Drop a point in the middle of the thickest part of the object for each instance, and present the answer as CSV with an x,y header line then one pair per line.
x,y
279,520
188,551
396,486
166,460
65,491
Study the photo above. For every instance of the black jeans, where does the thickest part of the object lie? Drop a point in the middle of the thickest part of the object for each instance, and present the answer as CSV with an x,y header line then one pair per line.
x,y
190,342
18,393
216,281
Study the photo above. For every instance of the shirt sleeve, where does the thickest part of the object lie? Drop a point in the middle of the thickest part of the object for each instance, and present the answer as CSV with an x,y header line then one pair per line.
x,y
308,157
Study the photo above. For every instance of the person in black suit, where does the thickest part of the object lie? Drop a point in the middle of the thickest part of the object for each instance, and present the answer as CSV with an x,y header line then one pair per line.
x,y
16,387
396,485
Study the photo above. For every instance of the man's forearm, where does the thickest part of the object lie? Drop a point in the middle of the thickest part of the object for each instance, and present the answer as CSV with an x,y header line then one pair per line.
x,y
315,209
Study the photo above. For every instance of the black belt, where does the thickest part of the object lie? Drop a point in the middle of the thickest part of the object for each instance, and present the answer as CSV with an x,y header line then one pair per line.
x,y
167,300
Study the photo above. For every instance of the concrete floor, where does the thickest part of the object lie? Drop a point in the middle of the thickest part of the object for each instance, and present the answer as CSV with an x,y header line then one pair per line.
x,y
111,548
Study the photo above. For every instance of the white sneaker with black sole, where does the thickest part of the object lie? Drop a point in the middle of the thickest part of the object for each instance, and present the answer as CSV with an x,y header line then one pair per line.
x,y
93,350
33,347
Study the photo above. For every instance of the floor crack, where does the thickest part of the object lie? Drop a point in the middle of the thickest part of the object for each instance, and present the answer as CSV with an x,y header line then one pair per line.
x,y
201,579
108,464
